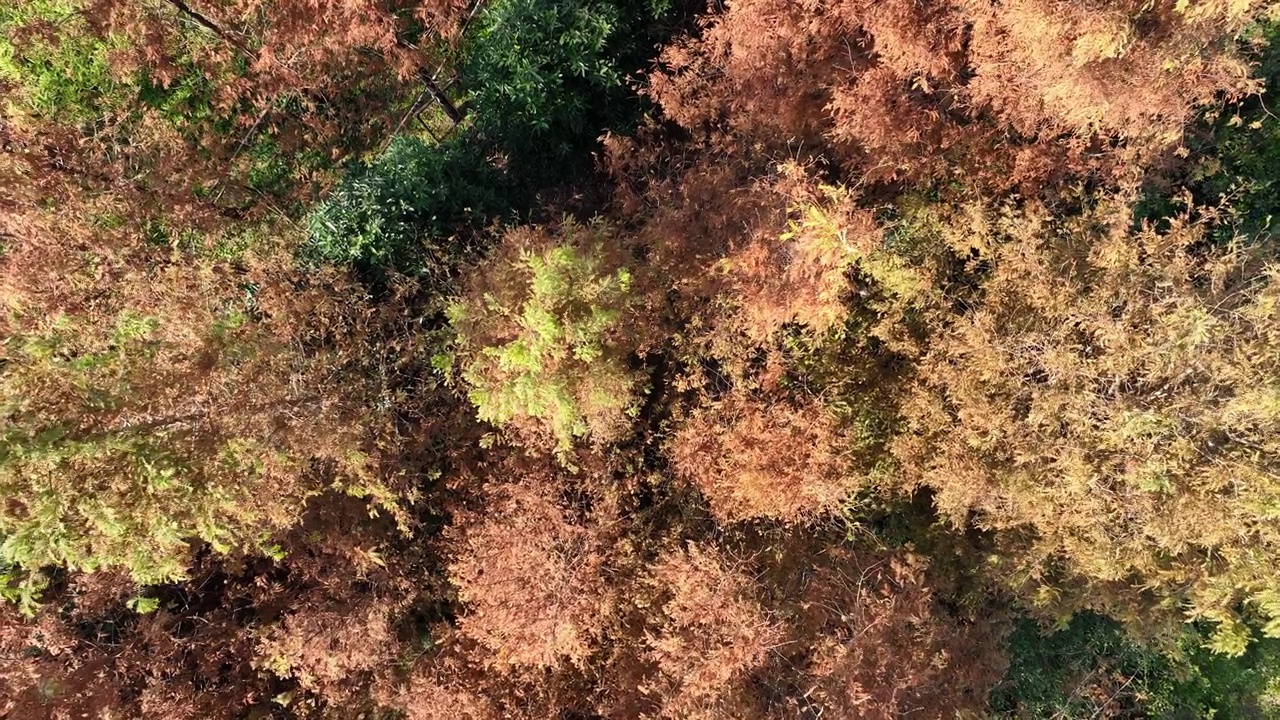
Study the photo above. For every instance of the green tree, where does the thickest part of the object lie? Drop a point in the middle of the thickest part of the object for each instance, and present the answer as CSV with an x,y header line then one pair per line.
x,y
542,339
415,209
546,79
179,406
1092,667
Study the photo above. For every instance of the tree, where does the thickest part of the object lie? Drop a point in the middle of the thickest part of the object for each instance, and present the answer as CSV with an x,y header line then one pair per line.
x,y
541,336
531,578
730,452
1110,390
998,96
148,403
711,636
199,110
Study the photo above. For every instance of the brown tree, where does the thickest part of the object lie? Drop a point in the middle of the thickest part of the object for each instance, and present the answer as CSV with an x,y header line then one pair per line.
x,y
759,459
1001,94
531,577
883,646
710,636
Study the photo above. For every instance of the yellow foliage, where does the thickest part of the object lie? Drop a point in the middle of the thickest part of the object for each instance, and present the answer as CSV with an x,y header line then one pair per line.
x,y
1117,392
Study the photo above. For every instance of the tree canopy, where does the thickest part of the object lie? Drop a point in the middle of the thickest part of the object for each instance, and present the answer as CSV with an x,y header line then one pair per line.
x,y
654,359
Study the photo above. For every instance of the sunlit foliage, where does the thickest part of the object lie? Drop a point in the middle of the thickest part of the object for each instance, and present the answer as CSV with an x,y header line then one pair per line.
x,y
541,340
518,359
1112,390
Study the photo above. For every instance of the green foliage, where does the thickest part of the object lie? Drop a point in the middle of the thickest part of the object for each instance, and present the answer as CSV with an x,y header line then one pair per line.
x,y
1092,667
544,342
185,100
144,605
1234,152
21,587
96,479
890,271
531,61
63,71
407,210
848,368
1239,165
547,78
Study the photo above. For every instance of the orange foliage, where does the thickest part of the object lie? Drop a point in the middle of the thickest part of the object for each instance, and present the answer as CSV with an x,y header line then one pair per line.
x,y
332,650
907,90
1126,66
453,679
1045,375
755,459
788,275
441,691
883,648
102,660
530,577
712,634
817,630
736,261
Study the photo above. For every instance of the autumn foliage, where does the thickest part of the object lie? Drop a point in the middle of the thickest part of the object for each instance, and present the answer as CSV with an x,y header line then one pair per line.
x,y
997,94
532,580
729,451
666,360
1088,362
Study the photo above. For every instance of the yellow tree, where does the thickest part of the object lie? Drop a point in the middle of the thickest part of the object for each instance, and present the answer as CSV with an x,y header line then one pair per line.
x,y
152,398
1109,397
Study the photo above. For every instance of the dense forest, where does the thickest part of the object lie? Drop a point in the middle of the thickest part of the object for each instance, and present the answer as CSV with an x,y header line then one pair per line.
x,y
666,359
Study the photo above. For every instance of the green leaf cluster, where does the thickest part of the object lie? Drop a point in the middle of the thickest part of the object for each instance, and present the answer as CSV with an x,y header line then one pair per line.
x,y
58,67
1091,665
544,343
546,79
406,211
92,480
